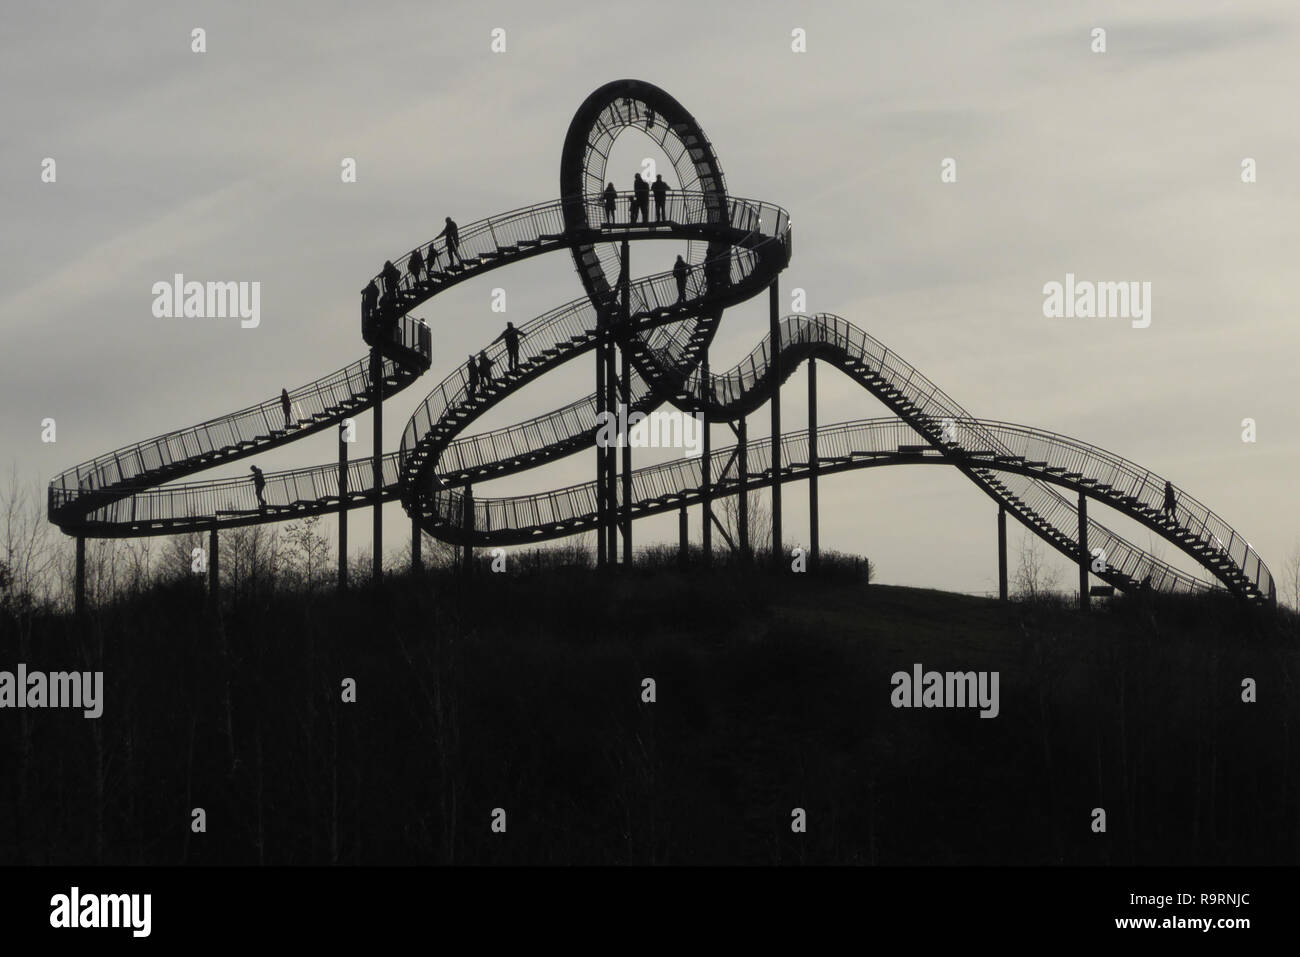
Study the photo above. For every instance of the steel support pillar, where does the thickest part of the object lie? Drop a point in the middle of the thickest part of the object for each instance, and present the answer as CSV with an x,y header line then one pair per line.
x,y
467,523
742,475
343,509
1002,553
1084,556
80,593
683,537
377,463
602,411
774,365
214,565
706,462
814,538
417,561
627,465
612,403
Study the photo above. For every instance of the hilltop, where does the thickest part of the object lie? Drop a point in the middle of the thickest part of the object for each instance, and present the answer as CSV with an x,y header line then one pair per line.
x,y
525,693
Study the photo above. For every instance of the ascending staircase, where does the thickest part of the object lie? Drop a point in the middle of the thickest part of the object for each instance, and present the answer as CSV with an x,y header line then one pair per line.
x,y
97,495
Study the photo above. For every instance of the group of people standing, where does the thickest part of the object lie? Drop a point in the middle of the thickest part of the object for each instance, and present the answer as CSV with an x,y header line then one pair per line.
x,y
639,203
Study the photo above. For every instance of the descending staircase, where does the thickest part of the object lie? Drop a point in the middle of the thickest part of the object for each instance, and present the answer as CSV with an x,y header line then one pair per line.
x,y
1015,465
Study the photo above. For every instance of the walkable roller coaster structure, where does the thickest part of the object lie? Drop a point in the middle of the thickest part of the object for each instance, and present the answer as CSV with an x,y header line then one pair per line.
x,y
651,339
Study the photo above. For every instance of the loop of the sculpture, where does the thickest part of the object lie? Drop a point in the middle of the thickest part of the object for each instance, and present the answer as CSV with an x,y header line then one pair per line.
x,y
610,110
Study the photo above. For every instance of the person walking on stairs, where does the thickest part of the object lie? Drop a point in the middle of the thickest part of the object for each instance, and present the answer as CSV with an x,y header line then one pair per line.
x,y
511,337
472,370
286,407
680,271
452,232
392,279
259,486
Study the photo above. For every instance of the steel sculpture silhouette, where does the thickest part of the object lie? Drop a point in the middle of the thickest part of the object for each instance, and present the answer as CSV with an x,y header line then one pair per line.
x,y
651,338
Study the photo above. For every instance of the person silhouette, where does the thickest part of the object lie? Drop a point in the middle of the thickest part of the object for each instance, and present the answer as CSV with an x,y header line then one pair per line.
x,y
1171,503
284,404
452,232
680,271
416,264
472,371
611,198
634,201
649,117
660,189
392,278
259,485
642,191
369,301
510,336
484,369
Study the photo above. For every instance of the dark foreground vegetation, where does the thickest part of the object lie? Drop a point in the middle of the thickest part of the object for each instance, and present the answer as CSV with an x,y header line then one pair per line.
x,y
523,692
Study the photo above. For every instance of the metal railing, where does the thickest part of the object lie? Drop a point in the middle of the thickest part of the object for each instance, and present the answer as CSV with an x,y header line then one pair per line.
x,y
337,395
483,241
931,409
572,328
199,504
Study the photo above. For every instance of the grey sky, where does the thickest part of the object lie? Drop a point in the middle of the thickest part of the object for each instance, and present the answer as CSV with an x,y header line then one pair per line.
x,y
1120,166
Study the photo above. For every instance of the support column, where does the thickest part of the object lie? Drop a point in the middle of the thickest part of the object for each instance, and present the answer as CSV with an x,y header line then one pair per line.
x,y
611,458
377,465
601,411
214,566
706,463
343,509
467,523
1084,556
774,365
80,593
612,402
1002,553
683,534
742,475
627,465
417,562
814,539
